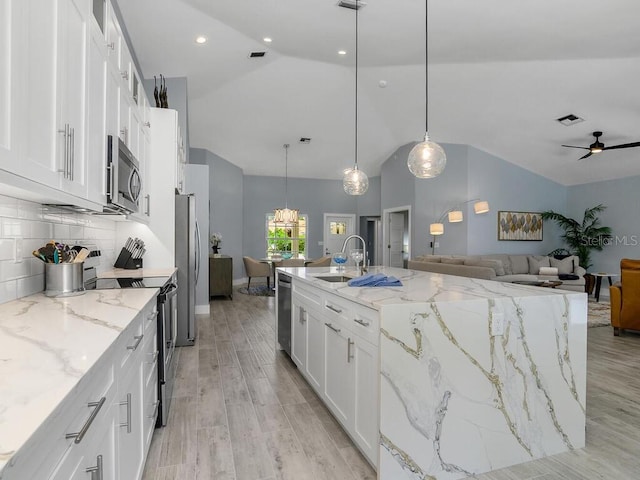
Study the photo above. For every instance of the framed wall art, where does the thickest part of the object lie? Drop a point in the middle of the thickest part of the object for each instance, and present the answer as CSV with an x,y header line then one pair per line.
x,y
525,226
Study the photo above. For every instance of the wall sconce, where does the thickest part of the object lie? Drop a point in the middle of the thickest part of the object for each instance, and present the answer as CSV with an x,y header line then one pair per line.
x,y
455,216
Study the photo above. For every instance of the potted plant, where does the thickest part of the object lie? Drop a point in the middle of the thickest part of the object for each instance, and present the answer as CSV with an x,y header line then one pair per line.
x,y
216,240
582,237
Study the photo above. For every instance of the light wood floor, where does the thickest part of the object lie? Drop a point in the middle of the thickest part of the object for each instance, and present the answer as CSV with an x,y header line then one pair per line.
x,y
241,411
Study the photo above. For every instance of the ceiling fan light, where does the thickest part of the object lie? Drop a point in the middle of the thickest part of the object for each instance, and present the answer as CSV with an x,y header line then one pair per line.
x,y
427,159
596,150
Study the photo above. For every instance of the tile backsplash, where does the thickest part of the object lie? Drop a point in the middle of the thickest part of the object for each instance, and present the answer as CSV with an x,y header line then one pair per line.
x,y
26,226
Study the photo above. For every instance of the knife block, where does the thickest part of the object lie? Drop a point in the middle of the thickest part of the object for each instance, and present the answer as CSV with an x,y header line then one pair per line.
x,y
126,261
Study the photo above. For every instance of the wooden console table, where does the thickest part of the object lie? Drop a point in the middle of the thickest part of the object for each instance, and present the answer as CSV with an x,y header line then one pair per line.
x,y
220,275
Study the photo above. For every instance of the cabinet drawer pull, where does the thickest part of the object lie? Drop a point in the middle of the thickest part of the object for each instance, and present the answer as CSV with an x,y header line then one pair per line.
x,y
337,330
135,345
153,315
128,404
333,309
361,322
111,46
78,436
125,74
147,124
349,356
96,472
155,404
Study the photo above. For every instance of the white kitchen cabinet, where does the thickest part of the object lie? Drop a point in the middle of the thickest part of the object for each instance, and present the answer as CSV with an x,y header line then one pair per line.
x,y
338,385
366,404
298,333
10,57
97,114
115,41
131,423
315,367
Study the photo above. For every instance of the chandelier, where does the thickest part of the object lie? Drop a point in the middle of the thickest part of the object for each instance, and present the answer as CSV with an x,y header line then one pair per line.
x,y
285,215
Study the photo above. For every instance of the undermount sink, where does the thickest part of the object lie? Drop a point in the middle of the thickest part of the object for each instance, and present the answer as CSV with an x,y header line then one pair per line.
x,y
335,278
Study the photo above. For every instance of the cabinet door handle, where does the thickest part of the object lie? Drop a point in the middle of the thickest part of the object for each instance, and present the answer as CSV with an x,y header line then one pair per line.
x,y
337,330
155,357
334,309
156,404
128,404
65,167
135,345
361,322
72,152
303,315
152,315
147,124
125,135
111,184
111,46
125,74
96,472
349,356
148,212
78,436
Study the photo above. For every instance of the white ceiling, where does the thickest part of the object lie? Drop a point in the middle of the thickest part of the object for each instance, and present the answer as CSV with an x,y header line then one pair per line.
x,y
500,73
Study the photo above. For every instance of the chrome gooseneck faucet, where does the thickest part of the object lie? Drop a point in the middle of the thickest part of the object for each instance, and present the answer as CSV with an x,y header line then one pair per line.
x,y
365,257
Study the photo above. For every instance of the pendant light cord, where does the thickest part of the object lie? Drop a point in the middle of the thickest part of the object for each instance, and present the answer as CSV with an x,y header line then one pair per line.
x,y
356,116
286,174
426,66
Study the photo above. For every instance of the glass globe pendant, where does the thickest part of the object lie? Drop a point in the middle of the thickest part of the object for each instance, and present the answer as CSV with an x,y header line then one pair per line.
x,y
427,159
355,181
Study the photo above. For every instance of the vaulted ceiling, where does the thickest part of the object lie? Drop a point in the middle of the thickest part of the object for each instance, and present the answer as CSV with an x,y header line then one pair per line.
x,y
500,73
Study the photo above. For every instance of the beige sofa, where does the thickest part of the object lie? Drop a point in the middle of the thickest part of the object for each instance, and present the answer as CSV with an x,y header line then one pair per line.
x,y
504,268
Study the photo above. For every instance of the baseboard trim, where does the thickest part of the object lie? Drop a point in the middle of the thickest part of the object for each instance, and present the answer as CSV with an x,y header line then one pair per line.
x,y
202,309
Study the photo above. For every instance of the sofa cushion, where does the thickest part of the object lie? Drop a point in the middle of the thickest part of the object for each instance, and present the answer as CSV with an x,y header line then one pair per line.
x,y
565,266
535,262
519,264
504,258
479,262
452,261
429,258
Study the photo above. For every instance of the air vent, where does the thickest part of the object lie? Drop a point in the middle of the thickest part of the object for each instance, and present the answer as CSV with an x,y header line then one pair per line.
x,y
569,120
352,4
305,140
257,54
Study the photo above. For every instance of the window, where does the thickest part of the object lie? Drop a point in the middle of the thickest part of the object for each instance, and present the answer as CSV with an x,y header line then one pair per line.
x,y
282,238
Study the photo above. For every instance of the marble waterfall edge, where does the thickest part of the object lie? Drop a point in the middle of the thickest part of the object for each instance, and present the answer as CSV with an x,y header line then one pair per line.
x,y
461,394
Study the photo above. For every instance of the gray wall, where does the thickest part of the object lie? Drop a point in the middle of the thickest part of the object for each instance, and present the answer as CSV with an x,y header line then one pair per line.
x,y
622,200
470,173
312,197
368,205
226,204
177,98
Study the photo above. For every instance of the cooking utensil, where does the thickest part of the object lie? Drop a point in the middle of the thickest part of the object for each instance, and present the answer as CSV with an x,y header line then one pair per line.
x,y
81,256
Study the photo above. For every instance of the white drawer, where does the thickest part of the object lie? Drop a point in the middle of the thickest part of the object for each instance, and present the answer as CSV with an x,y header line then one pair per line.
x,y
150,357
129,344
307,295
366,323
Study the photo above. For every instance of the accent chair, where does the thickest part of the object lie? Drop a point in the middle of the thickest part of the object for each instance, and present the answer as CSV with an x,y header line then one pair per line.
x,y
255,268
625,298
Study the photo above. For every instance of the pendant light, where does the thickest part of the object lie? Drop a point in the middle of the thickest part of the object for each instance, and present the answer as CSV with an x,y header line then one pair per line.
x,y
355,181
427,159
285,215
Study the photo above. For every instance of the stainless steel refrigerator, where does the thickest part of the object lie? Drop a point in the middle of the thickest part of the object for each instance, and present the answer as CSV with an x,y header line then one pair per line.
x,y
188,263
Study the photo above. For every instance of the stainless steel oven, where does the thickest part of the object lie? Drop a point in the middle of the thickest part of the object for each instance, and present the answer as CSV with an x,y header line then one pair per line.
x,y
124,183
167,331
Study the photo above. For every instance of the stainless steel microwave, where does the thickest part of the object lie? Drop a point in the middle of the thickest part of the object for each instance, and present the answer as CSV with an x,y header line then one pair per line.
x,y
124,183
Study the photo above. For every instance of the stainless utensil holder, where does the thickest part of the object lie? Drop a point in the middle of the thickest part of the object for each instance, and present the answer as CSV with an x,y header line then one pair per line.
x,y
63,279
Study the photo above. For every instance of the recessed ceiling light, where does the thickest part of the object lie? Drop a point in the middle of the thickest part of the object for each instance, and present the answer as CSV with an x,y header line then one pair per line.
x,y
267,40
342,52
200,39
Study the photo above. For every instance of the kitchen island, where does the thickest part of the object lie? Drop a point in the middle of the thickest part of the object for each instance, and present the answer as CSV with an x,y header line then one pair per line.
x,y
462,375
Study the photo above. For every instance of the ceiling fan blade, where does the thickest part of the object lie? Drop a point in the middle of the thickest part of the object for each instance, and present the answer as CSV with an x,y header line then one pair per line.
x,y
572,146
587,155
624,145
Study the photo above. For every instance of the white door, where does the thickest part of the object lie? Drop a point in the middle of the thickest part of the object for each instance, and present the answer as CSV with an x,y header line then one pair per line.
x,y
337,227
396,237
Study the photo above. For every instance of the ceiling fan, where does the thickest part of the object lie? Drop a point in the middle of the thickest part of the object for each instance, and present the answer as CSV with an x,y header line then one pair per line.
x,y
598,146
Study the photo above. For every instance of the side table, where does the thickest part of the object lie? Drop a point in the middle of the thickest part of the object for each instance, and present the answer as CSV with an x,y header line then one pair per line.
x,y
220,275
599,277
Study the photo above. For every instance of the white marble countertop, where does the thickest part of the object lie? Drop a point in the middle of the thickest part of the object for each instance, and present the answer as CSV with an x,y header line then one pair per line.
x,y
47,345
417,286
139,273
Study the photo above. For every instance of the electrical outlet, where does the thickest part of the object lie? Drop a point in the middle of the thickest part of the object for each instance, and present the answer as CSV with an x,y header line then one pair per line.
x,y
17,250
497,324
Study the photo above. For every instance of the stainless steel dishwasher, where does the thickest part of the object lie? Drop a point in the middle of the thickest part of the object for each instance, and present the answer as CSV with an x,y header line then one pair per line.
x,y
284,311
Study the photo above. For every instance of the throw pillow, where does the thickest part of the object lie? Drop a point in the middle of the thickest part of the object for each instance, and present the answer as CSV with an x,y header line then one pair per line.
x,y
495,264
519,264
536,262
568,276
548,271
564,266
502,258
452,261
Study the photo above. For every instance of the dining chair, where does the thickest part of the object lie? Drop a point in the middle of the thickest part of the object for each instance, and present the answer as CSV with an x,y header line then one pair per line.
x,y
291,262
255,268
319,262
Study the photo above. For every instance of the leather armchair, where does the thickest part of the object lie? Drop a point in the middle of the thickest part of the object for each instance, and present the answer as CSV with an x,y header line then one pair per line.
x,y
625,298
255,268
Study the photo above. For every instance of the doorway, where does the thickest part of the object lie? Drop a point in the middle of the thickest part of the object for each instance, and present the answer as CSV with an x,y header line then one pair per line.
x,y
337,227
371,231
396,234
